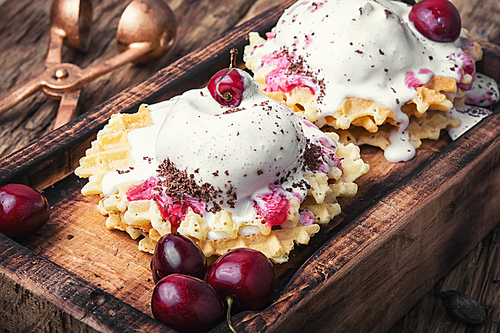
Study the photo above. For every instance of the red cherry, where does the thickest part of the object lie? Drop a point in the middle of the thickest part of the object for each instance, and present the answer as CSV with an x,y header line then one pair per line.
x,y
227,87
176,253
186,304
438,20
23,210
245,274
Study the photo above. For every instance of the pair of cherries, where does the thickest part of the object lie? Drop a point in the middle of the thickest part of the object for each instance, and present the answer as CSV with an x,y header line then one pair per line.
x,y
190,299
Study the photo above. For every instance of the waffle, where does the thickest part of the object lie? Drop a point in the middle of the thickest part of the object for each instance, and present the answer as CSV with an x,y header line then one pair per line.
x,y
363,121
111,150
142,220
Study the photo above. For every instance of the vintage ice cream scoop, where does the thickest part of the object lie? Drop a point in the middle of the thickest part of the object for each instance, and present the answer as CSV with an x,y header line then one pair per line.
x,y
146,31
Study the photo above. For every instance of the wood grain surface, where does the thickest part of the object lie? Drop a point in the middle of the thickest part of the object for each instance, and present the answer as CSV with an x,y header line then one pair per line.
x,y
23,41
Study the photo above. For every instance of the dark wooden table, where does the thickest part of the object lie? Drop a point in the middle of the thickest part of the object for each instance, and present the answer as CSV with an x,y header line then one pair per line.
x,y
23,41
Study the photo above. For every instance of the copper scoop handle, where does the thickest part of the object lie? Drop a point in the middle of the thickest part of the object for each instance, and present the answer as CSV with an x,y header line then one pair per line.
x,y
133,52
26,90
67,108
79,77
53,57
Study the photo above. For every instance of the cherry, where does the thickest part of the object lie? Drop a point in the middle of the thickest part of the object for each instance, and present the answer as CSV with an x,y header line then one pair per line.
x,y
245,275
176,253
438,20
186,303
23,210
227,86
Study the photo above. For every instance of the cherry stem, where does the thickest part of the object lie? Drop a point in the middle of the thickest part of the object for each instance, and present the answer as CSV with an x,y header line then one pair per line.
x,y
230,301
227,96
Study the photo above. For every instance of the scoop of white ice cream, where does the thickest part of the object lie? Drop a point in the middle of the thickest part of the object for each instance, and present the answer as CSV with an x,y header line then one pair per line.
x,y
248,147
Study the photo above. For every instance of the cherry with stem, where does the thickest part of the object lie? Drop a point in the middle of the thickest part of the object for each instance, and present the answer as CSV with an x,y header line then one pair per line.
x,y
227,85
244,278
227,95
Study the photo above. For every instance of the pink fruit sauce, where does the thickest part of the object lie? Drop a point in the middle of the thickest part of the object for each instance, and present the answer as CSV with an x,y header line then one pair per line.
x,y
171,208
272,206
281,79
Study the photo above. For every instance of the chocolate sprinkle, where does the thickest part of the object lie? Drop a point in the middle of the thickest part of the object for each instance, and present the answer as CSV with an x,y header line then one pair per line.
x,y
312,156
178,183
299,66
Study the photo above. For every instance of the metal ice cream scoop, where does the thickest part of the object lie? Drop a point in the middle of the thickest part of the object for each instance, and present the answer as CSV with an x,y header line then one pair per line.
x,y
146,31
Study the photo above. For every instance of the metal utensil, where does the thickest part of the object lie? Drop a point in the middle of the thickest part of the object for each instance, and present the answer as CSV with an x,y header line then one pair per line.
x,y
146,31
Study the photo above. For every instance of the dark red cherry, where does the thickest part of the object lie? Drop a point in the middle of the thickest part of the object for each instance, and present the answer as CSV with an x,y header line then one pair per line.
x,y
23,210
246,275
227,87
186,304
438,20
176,253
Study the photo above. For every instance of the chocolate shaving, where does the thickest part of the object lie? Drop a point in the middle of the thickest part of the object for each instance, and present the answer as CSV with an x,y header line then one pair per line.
x,y
312,156
233,110
178,183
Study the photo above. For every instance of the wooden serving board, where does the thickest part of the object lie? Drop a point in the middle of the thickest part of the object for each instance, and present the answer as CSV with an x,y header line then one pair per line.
x,y
407,226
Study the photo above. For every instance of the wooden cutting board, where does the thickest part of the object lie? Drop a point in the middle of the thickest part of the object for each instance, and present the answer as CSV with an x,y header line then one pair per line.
x,y
408,225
